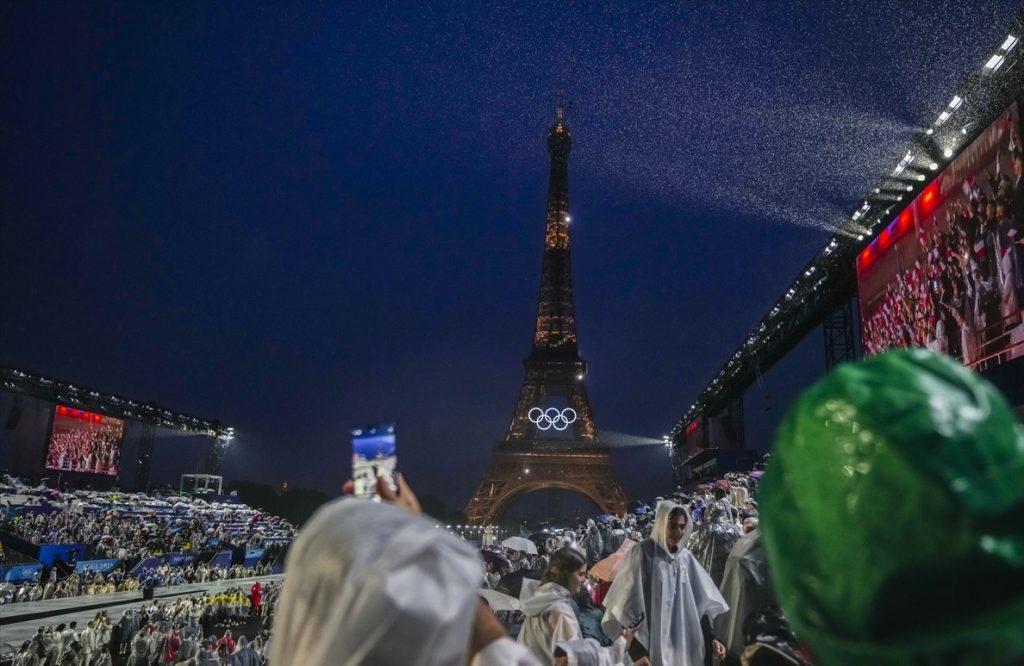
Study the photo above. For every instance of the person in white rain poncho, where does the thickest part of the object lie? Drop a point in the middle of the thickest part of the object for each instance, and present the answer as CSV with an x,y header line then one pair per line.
x,y
745,585
140,648
716,535
244,654
662,580
372,583
592,542
551,616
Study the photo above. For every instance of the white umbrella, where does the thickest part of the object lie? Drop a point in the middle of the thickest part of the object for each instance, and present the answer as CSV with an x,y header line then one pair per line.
x,y
522,544
499,601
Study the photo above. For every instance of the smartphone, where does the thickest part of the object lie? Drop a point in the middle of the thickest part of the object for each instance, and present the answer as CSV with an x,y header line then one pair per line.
x,y
374,454
636,623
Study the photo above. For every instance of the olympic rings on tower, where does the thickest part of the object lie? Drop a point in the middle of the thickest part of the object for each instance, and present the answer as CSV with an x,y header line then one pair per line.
x,y
552,417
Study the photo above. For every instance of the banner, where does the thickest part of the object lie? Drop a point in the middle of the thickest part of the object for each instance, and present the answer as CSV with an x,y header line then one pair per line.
x,y
20,572
253,555
146,565
221,560
151,563
96,566
64,552
178,559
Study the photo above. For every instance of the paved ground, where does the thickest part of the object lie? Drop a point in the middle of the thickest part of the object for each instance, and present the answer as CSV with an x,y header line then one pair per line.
x,y
68,610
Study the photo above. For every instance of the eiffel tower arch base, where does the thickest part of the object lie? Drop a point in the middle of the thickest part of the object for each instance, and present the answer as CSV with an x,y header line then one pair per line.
x,y
515,473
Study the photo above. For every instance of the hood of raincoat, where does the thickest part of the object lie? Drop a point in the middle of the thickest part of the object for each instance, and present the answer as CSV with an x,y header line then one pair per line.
x,y
372,583
891,515
659,533
544,596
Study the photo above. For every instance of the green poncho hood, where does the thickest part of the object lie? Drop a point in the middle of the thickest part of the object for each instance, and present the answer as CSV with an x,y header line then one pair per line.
x,y
893,515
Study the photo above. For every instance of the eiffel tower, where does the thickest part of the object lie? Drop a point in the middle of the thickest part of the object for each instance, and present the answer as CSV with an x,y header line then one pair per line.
x,y
549,445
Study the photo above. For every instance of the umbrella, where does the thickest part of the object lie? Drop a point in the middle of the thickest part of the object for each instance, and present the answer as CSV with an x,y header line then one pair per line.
x,y
520,544
495,558
607,568
499,601
512,583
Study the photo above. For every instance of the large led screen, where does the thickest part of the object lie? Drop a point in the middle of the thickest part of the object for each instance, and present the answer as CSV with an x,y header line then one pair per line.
x,y
948,273
83,441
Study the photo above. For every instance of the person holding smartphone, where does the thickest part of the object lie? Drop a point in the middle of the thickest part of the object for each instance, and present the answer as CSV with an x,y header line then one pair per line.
x,y
551,617
378,583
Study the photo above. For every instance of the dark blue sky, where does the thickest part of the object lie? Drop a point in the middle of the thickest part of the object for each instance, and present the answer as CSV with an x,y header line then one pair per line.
x,y
296,218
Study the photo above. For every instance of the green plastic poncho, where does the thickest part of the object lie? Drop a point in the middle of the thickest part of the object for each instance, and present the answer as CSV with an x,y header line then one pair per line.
x,y
893,515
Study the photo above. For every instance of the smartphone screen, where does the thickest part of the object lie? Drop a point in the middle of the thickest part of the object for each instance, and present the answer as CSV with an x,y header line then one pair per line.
x,y
373,454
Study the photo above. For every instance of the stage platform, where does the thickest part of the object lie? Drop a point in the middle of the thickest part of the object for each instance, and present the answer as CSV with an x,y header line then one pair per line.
x,y
18,622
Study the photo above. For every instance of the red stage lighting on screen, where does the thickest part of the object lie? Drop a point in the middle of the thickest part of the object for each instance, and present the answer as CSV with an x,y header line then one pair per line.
x,y
904,220
930,198
885,239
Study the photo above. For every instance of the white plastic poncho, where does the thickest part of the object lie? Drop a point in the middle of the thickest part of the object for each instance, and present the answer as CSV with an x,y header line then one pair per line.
x,y
745,586
371,583
550,620
675,598
588,652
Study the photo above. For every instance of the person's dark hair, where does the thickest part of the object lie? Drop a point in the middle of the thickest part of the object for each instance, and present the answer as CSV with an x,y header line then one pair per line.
x,y
718,492
564,562
676,512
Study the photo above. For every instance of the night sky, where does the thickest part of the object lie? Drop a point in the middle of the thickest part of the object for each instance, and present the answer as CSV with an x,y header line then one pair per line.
x,y
295,219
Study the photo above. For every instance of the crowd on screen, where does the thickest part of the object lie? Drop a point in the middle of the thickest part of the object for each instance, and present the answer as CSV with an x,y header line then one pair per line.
x,y
93,448
963,295
161,633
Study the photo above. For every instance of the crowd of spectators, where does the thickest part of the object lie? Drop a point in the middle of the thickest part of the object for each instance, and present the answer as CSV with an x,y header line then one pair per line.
x,y
131,527
161,633
723,510
135,525
92,583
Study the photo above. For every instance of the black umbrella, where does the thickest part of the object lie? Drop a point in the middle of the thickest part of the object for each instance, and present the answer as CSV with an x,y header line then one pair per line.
x,y
511,584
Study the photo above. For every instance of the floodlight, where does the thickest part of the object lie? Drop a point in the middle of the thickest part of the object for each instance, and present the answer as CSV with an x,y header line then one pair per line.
x,y
995,62
1011,41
